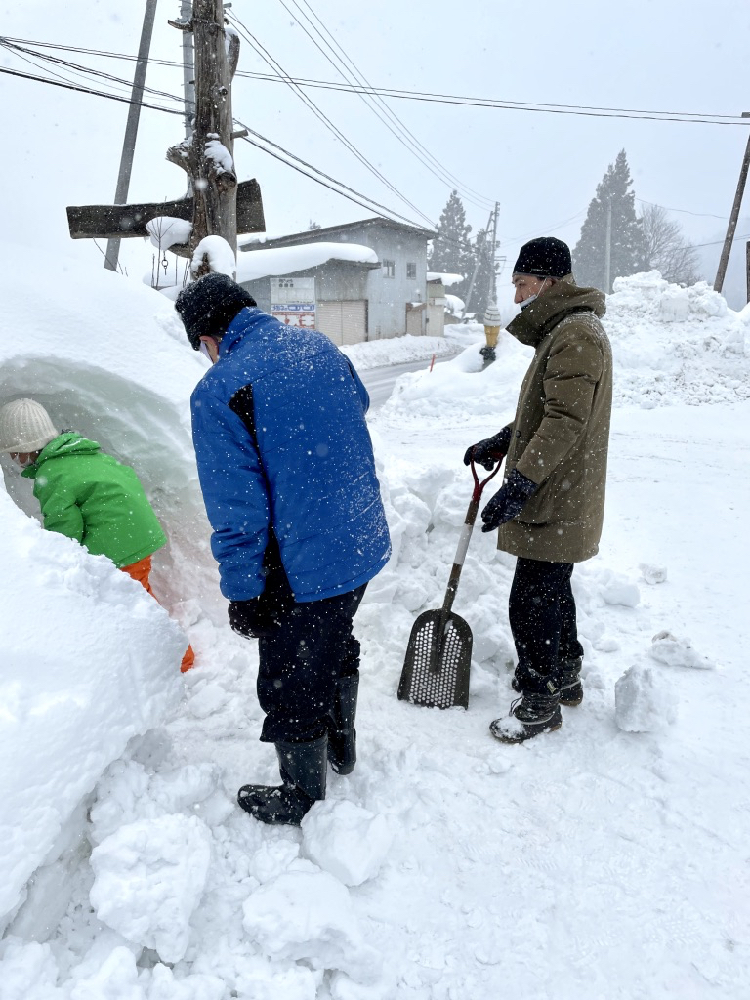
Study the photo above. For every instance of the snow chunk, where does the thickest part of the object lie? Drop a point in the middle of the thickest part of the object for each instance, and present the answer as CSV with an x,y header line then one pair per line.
x,y
166,231
347,840
309,916
653,574
621,591
644,701
149,879
223,162
220,256
667,648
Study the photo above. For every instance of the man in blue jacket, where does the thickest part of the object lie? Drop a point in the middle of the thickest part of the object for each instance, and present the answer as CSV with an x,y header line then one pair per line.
x,y
288,478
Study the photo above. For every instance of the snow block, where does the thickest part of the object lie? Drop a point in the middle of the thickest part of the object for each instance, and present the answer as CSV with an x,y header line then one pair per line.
x,y
347,840
150,877
309,916
667,648
644,701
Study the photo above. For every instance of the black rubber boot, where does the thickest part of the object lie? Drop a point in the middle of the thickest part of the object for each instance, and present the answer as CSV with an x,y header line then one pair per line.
x,y
303,772
536,711
571,689
342,753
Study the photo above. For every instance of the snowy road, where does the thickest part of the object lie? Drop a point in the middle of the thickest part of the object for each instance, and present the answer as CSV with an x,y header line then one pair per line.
x,y
379,382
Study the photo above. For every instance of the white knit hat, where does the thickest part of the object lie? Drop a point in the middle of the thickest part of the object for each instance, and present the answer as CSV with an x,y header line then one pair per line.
x,y
25,426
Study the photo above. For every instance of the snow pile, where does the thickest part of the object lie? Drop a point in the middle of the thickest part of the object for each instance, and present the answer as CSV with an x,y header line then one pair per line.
x,y
672,343
217,253
396,351
166,231
89,661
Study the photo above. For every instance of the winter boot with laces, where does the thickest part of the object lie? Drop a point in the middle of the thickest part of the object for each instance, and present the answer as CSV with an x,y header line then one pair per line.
x,y
536,711
302,767
342,754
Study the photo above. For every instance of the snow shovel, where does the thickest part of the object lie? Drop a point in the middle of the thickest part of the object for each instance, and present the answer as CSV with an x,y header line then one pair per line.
x,y
438,658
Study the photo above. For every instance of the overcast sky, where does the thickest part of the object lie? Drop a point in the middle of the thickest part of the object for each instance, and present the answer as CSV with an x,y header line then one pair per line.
x,y
662,55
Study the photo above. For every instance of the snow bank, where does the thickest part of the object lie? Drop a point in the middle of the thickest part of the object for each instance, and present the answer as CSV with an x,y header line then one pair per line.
x,y
669,344
108,357
644,701
675,344
89,661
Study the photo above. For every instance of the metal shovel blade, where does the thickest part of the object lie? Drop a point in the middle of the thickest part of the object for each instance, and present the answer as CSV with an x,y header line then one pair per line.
x,y
437,664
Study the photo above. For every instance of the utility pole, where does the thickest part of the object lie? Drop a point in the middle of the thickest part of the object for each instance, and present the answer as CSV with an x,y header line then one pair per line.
x,y
608,248
188,68
131,129
478,263
734,215
208,156
492,289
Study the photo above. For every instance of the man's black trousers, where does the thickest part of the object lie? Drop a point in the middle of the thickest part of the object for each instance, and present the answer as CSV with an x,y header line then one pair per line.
x,y
543,617
300,663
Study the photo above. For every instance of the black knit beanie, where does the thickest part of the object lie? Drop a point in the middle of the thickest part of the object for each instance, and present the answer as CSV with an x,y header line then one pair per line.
x,y
209,305
545,257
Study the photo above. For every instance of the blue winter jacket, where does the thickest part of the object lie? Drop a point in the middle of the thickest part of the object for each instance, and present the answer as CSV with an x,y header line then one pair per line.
x,y
281,442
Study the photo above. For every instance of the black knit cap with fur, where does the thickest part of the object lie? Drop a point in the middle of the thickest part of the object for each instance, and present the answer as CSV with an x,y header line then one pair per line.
x,y
544,257
209,305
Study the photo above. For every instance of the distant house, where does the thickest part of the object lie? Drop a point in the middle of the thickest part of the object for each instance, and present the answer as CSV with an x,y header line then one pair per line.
x,y
350,296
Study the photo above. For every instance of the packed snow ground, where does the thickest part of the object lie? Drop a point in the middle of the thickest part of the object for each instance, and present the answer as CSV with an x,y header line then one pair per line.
x,y
606,860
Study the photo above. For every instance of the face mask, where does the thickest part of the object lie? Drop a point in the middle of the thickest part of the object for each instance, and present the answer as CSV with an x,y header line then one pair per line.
x,y
533,298
203,349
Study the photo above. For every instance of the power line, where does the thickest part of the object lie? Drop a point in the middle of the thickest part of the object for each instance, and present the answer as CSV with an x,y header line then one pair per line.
x,y
391,121
689,117
313,173
285,77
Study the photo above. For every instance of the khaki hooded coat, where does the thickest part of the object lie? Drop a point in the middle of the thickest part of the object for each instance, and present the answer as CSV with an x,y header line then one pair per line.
x,y
561,429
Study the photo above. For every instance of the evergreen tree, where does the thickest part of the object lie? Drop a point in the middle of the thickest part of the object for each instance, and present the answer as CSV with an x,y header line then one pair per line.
x,y
626,240
483,281
451,251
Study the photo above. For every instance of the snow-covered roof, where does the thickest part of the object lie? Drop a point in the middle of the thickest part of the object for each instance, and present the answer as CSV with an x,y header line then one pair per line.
x,y
294,239
446,277
289,260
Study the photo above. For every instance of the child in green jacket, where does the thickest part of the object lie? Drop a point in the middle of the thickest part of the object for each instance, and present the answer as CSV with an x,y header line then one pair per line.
x,y
84,493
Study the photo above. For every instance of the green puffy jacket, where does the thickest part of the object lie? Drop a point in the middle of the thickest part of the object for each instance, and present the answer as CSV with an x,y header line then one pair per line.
x,y
91,497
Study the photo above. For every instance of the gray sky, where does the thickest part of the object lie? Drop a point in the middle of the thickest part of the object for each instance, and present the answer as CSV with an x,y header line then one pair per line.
x,y
543,168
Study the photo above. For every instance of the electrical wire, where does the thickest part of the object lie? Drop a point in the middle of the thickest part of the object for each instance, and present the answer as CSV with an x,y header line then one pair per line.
x,y
313,173
690,117
391,121
284,76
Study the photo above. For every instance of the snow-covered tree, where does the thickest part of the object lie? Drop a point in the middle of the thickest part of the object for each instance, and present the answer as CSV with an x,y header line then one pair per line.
x,y
451,251
627,248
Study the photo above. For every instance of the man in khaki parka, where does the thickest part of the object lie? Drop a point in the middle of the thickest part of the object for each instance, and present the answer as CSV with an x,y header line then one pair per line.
x,y
550,509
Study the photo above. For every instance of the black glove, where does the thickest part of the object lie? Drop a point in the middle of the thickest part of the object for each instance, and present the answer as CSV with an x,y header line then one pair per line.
x,y
490,450
254,618
509,501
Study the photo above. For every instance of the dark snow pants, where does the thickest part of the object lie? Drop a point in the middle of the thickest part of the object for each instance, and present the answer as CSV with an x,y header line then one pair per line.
x,y
300,663
543,617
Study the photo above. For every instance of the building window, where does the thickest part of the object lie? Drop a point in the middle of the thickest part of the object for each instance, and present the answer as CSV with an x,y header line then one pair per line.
x,y
389,268
411,270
